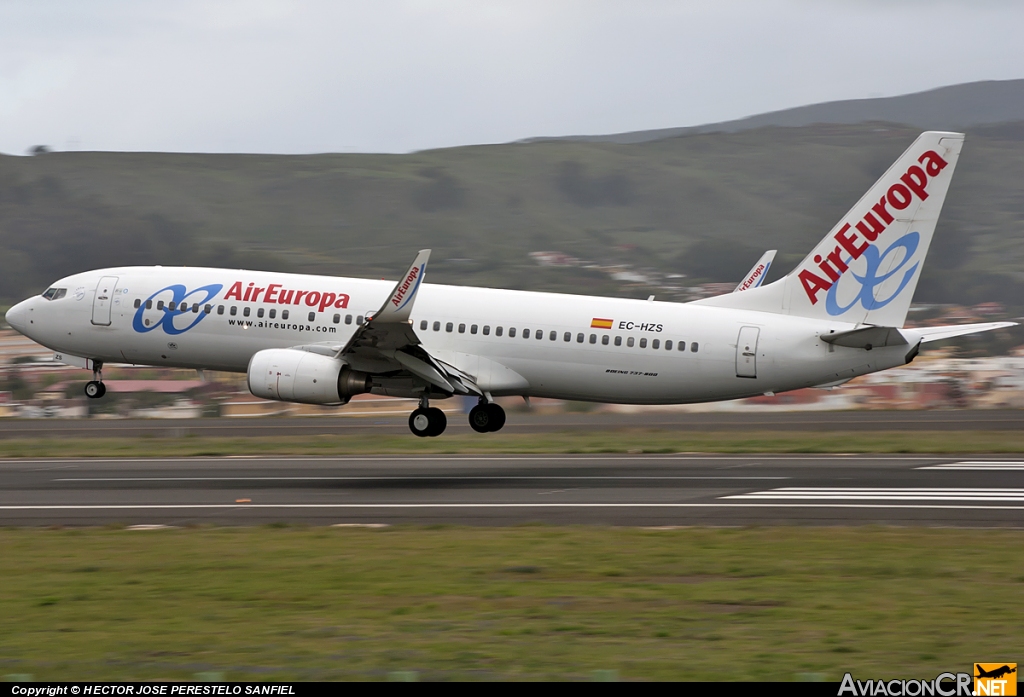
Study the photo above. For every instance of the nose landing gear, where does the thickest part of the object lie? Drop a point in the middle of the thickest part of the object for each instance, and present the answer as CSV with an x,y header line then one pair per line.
x,y
486,417
427,421
94,389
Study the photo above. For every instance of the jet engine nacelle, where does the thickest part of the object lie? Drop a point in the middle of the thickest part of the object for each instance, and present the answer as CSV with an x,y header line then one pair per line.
x,y
291,375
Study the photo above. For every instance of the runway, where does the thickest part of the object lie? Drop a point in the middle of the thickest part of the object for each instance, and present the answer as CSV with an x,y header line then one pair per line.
x,y
526,422
628,490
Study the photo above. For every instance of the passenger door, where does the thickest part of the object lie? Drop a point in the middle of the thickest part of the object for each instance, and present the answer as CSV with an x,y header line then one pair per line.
x,y
101,303
746,352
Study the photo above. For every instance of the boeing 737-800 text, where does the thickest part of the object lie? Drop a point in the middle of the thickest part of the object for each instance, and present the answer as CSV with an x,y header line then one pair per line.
x,y
322,340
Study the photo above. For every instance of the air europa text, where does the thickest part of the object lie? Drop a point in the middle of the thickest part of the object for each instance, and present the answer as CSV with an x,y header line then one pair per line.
x,y
276,293
900,195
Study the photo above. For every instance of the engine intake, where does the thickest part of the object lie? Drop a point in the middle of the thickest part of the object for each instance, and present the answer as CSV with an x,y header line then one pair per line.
x,y
291,375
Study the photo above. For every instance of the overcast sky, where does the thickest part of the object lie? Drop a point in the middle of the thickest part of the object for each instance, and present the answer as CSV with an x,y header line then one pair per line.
x,y
398,75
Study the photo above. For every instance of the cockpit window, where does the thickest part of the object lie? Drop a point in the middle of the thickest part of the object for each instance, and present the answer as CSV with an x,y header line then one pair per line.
x,y
55,293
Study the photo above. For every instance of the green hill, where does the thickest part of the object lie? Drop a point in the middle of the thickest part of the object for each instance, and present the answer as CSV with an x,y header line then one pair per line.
x,y
705,205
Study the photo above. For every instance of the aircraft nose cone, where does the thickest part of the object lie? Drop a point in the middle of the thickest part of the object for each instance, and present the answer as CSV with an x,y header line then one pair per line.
x,y
17,316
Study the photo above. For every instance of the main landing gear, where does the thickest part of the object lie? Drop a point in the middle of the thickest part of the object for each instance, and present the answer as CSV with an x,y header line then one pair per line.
x,y
94,389
486,417
427,420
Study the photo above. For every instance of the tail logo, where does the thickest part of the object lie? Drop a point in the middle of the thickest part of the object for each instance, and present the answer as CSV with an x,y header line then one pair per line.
x,y
870,280
856,241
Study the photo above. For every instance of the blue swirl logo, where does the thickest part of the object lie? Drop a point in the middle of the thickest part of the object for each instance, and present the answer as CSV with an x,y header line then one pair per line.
x,y
870,280
181,318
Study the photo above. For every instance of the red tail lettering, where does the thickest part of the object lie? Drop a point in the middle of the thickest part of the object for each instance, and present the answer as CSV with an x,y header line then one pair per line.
x,y
916,179
933,164
813,283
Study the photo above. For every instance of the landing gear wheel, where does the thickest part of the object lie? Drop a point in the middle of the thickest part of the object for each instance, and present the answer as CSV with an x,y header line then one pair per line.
x,y
480,418
419,423
427,422
486,418
94,389
438,421
497,415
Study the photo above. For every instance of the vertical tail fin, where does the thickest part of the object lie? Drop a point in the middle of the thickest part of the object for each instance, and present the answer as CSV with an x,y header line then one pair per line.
x,y
866,269
755,277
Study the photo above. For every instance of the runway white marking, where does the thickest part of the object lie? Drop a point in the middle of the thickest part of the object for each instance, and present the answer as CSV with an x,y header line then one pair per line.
x,y
400,506
873,494
426,478
979,465
602,457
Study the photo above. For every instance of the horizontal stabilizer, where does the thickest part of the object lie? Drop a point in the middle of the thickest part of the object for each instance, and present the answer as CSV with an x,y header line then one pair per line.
x,y
948,332
867,338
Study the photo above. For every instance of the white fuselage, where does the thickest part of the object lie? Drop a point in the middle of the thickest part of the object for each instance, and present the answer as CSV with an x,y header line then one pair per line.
x,y
558,349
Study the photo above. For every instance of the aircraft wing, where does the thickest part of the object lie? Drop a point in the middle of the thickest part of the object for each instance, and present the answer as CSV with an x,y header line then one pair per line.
x,y
757,274
387,341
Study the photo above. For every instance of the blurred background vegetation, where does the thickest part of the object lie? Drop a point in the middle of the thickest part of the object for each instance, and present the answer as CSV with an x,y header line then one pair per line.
x,y
704,204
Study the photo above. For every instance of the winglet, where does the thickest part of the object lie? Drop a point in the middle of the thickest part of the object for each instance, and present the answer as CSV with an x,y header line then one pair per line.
x,y
399,304
756,275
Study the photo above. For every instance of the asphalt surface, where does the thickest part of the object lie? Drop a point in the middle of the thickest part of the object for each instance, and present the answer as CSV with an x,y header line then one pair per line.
x,y
520,422
628,490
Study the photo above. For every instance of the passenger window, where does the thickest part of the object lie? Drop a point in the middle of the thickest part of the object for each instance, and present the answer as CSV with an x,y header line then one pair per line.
x,y
472,330
312,317
437,326
449,326
273,313
668,344
554,335
195,309
629,342
423,325
567,337
149,304
359,320
284,314
497,331
539,334
604,340
655,344
336,320
220,309
245,311
682,345
593,338
348,319
462,329
643,342
138,303
487,329
579,338
209,308
259,312
526,333
511,331
171,305
234,310
693,347
618,341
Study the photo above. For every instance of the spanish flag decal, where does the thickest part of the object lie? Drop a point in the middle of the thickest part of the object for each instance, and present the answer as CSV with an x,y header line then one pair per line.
x,y
598,323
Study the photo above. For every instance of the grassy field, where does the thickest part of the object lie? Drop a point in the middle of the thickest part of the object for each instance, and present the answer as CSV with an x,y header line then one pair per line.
x,y
528,602
611,441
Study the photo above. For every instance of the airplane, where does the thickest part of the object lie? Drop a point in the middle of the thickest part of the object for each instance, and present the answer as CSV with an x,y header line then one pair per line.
x,y
755,277
994,673
322,340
